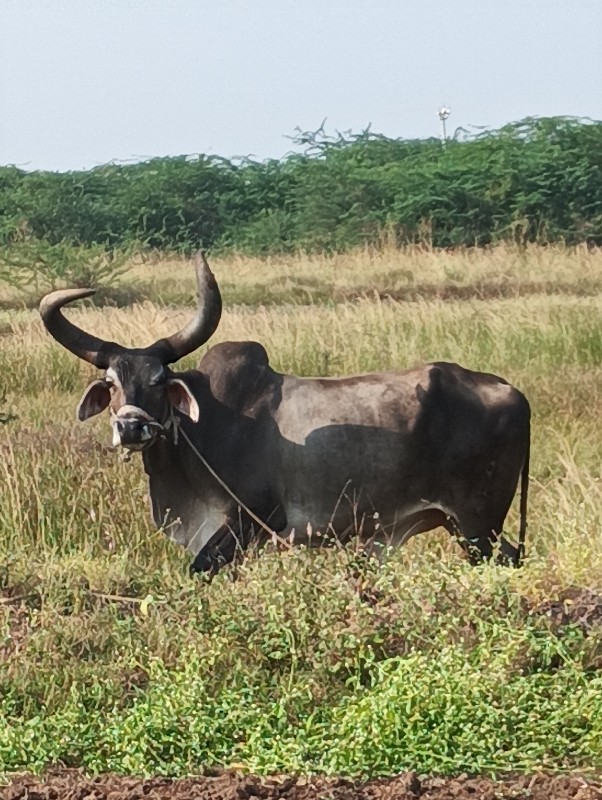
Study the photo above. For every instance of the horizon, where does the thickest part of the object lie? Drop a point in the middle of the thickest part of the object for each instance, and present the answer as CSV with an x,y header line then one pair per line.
x,y
302,149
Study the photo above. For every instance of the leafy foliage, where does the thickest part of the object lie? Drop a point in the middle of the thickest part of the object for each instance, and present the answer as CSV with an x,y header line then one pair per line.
x,y
39,264
538,180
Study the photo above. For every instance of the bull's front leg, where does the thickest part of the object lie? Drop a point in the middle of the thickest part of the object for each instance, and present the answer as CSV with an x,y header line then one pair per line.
x,y
220,550
232,539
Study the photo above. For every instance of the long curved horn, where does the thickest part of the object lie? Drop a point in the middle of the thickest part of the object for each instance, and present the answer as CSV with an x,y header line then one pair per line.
x,y
90,348
201,326
98,351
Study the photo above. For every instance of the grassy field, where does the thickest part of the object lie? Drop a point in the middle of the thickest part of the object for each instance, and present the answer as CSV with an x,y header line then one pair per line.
x,y
111,658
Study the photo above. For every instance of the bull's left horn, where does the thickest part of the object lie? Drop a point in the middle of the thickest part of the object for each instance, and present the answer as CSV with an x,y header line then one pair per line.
x,y
202,326
90,348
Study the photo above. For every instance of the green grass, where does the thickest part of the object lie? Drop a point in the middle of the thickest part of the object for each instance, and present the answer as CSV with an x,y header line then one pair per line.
x,y
111,658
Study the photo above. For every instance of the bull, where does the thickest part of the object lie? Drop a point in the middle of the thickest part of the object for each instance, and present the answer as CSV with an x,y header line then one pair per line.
x,y
235,451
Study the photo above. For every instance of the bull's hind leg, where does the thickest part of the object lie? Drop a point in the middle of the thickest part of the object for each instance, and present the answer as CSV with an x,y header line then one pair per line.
x,y
479,526
480,515
478,538
475,547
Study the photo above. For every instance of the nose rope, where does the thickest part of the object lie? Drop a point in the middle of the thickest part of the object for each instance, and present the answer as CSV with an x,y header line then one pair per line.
x,y
173,424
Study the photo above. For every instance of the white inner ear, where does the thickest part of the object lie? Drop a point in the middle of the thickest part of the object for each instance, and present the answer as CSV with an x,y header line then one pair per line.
x,y
182,398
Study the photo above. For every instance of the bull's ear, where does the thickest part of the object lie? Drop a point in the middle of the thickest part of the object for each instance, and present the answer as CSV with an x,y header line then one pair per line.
x,y
94,400
182,399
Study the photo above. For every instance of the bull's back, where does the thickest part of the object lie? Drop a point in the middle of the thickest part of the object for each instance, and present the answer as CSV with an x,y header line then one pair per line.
x,y
384,444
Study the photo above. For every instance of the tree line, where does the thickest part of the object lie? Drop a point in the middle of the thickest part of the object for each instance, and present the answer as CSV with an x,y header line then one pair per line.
x,y
537,180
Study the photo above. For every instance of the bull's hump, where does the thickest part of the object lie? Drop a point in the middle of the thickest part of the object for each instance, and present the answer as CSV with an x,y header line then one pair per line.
x,y
234,355
239,375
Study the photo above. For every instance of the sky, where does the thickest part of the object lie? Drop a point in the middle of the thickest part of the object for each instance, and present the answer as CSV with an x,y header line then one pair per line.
x,y
85,82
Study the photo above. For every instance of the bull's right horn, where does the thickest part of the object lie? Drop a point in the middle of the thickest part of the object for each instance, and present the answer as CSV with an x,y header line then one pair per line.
x,y
90,348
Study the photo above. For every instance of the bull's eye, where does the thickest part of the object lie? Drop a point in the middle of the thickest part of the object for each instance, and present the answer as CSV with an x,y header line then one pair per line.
x,y
157,380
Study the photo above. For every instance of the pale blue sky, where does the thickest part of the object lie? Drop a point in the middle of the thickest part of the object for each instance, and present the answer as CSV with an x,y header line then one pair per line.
x,y
83,82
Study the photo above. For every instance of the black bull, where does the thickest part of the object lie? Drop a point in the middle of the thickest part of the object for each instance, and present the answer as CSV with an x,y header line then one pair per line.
x,y
234,450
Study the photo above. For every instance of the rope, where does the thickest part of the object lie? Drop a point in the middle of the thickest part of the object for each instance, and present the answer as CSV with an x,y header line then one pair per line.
x,y
275,536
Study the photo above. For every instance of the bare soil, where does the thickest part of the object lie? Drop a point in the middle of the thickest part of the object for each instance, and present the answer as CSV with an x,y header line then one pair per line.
x,y
573,606
72,785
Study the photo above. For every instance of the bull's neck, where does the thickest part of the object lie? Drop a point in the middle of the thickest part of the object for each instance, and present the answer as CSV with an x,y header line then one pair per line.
x,y
182,450
174,449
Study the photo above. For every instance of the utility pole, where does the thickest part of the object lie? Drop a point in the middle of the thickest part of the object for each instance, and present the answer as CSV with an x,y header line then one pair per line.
x,y
443,114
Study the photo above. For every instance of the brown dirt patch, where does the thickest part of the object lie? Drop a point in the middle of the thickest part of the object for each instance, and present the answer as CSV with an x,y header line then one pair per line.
x,y
15,607
71,785
574,606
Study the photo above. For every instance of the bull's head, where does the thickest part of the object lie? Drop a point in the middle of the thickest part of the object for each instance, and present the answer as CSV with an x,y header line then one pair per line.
x,y
138,387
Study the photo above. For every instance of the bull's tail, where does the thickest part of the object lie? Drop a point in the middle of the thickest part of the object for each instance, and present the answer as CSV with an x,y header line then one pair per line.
x,y
524,492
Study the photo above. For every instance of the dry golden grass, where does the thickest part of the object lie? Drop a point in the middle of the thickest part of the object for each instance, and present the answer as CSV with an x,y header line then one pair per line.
x,y
550,346
409,273
366,270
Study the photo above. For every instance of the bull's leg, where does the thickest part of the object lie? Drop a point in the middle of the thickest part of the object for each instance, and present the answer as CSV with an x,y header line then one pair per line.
x,y
478,538
215,554
481,515
508,555
481,548
231,540
475,547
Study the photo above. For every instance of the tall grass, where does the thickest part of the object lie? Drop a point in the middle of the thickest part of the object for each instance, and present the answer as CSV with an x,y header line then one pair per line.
x,y
409,273
111,658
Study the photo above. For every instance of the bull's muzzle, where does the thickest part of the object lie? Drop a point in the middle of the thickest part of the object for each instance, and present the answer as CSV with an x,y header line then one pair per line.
x,y
133,428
